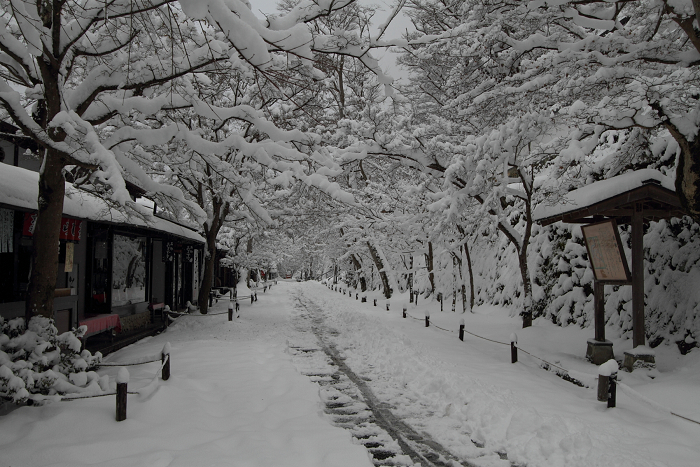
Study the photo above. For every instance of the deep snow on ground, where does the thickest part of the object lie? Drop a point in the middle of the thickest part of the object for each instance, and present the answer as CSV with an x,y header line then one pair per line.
x,y
236,397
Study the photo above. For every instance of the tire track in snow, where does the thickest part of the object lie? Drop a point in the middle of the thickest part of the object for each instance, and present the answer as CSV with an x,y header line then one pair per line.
x,y
352,404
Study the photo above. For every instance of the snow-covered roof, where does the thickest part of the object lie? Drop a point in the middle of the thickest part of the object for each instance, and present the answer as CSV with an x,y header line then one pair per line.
x,y
590,195
19,188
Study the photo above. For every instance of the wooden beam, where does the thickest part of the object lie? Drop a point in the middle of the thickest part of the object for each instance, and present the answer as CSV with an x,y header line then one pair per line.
x,y
599,307
638,334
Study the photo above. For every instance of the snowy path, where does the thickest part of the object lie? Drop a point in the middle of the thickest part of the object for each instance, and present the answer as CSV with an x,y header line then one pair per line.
x,y
488,412
234,399
352,404
260,391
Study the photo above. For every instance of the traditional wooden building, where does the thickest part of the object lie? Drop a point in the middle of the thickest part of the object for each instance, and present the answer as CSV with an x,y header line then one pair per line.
x,y
112,266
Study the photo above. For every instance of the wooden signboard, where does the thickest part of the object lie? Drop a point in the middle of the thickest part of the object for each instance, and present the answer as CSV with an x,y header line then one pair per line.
x,y
605,252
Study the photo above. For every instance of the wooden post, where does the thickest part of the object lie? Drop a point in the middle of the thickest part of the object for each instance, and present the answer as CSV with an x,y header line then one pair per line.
x,y
427,318
122,383
416,298
607,377
230,310
357,296
603,383
404,312
387,306
599,310
638,336
440,298
513,348
165,361
612,390
461,329
375,302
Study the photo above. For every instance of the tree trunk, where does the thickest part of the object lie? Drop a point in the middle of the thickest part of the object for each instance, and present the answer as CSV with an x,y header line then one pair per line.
x,y
688,167
527,289
431,273
471,280
211,231
208,277
45,241
456,272
410,279
688,178
358,269
380,267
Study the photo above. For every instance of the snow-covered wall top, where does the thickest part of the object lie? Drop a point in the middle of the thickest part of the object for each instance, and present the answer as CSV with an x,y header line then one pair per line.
x,y
600,191
20,188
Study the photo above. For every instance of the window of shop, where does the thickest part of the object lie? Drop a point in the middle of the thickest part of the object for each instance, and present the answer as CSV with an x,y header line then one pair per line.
x,y
128,270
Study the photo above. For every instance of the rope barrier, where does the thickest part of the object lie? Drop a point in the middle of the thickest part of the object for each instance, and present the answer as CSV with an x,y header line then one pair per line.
x,y
486,338
566,374
128,364
181,313
635,395
578,377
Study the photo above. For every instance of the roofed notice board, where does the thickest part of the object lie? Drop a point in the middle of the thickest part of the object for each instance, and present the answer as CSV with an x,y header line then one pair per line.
x,y
605,252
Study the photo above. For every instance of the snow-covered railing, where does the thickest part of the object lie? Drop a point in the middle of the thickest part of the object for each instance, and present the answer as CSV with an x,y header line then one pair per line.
x,y
233,303
122,381
575,377
607,377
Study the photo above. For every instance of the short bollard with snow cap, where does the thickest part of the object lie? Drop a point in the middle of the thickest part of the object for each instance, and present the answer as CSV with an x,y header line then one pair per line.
x,y
387,306
513,348
607,377
122,383
230,310
461,329
404,311
427,318
165,361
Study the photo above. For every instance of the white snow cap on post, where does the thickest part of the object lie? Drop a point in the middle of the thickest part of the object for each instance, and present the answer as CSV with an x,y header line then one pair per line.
x,y
608,368
166,348
514,338
427,313
461,322
123,376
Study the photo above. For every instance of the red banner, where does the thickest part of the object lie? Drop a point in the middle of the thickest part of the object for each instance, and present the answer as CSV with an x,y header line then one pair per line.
x,y
71,229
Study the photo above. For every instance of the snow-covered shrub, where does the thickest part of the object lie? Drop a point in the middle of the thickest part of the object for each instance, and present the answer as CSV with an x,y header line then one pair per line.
x,y
35,359
563,280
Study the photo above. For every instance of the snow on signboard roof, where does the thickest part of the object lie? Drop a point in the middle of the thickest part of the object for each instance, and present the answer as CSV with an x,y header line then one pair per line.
x,y
600,191
19,188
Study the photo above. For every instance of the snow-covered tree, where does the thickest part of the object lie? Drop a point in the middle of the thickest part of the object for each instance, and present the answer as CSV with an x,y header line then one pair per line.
x,y
82,79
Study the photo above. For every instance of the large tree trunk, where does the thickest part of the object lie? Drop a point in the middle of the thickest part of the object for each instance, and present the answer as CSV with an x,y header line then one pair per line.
x,y
527,289
380,267
45,241
208,276
688,166
688,178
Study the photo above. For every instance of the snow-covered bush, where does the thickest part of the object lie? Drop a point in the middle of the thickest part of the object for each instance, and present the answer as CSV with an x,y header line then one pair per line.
x,y
35,359
563,280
